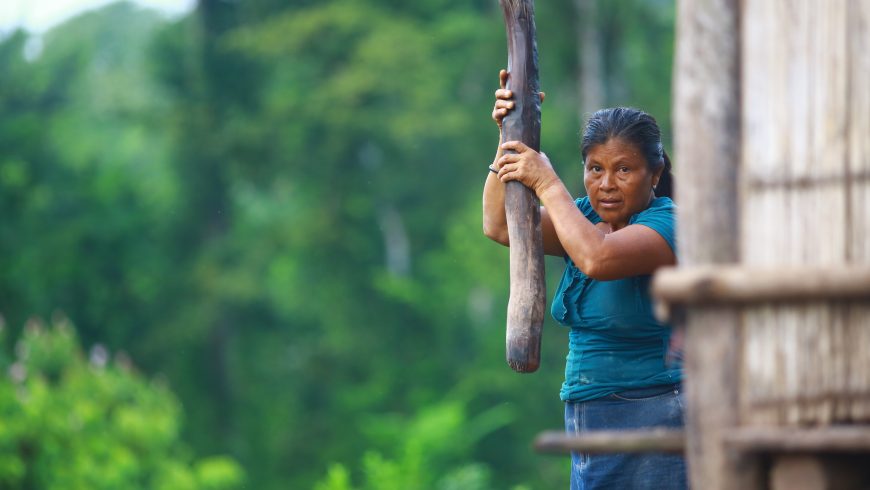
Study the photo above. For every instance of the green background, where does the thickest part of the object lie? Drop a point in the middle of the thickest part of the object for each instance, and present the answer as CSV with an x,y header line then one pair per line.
x,y
247,243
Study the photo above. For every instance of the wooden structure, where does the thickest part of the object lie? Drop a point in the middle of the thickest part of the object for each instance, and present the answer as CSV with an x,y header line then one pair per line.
x,y
772,152
527,303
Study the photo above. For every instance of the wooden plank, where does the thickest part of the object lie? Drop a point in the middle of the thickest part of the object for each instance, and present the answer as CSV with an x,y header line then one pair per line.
x,y
527,303
857,358
656,440
798,473
786,439
746,285
808,472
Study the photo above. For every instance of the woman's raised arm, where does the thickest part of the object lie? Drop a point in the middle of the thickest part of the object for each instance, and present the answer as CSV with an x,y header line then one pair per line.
x,y
494,219
632,250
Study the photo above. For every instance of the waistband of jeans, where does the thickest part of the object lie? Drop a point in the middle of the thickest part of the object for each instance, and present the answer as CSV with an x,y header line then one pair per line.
x,y
649,390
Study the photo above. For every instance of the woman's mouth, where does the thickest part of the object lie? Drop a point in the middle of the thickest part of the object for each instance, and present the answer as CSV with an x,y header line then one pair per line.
x,y
609,203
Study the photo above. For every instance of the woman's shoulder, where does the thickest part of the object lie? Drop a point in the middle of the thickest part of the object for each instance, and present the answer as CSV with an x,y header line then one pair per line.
x,y
661,216
660,204
660,207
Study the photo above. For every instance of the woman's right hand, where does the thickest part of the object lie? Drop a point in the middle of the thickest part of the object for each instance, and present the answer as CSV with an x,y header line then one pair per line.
x,y
504,99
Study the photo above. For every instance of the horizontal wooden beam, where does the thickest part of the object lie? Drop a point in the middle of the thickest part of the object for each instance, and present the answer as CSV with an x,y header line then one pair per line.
x,y
842,438
647,441
766,182
745,284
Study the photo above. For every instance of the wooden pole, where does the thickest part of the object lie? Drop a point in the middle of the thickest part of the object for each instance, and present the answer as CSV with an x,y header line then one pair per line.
x,y
707,140
645,441
525,314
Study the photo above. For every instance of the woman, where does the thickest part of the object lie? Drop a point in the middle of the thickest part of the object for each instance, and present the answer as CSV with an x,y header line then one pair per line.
x,y
617,375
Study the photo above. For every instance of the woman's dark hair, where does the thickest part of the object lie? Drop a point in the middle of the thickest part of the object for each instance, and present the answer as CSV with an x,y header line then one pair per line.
x,y
635,127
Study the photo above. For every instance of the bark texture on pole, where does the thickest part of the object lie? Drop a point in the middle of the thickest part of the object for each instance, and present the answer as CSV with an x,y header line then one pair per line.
x,y
525,314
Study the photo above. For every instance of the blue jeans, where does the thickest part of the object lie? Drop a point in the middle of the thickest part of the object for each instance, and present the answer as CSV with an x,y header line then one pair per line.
x,y
658,406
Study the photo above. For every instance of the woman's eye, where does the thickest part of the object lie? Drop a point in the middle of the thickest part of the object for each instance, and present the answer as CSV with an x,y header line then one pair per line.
x,y
624,170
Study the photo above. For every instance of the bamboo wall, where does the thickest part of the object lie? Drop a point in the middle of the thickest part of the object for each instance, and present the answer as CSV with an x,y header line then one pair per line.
x,y
805,200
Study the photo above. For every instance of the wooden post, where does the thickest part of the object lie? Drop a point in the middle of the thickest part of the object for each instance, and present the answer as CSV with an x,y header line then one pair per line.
x,y
526,306
707,151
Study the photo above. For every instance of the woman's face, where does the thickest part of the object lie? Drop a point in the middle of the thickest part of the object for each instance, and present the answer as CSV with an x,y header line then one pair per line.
x,y
618,181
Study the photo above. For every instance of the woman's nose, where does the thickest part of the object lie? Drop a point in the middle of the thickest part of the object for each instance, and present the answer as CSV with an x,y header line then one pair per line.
x,y
607,181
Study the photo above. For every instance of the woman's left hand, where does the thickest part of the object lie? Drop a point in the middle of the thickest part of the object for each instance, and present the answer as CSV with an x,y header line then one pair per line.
x,y
527,166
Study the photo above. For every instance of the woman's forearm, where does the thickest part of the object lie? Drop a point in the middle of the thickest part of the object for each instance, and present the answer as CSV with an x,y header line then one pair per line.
x,y
494,220
581,240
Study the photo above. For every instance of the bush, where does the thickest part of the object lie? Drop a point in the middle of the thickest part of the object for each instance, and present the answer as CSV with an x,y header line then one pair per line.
x,y
70,422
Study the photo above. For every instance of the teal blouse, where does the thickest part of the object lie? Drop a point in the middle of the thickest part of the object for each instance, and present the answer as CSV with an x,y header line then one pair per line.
x,y
615,342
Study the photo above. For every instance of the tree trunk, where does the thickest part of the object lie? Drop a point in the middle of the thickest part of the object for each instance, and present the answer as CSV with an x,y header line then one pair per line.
x,y
591,72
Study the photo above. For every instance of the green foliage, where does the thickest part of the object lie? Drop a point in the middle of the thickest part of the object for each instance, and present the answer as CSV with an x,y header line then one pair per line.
x,y
430,452
73,423
276,207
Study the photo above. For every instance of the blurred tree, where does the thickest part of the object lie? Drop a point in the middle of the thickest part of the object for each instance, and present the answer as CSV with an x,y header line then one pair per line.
x,y
84,182
277,207
74,423
590,78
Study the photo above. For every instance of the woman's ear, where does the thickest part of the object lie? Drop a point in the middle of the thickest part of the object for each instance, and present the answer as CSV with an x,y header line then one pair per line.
x,y
657,175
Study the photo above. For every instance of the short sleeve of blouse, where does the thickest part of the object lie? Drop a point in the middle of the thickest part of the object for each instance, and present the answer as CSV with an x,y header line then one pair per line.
x,y
661,217
585,207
